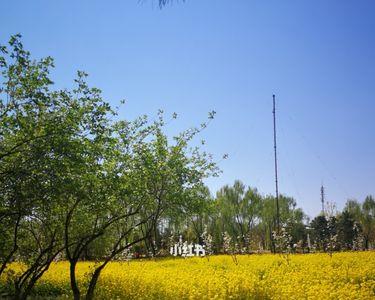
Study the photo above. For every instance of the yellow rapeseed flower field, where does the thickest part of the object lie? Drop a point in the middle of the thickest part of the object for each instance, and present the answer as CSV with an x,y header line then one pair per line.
x,y
267,276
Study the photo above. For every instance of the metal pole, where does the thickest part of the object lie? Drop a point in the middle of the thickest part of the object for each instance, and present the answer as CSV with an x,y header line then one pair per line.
x,y
322,198
275,151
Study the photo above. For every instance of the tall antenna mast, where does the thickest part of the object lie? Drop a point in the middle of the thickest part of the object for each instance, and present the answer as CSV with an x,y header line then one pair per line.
x,y
275,151
322,197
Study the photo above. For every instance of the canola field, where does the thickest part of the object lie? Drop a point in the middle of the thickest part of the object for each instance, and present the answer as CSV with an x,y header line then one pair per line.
x,y
267,276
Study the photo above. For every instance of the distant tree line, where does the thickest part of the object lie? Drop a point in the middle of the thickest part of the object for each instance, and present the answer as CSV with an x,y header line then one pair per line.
x,y
351,229
241,220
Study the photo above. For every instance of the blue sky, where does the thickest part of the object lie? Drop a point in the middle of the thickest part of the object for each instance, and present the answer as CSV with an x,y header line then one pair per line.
x,y
318,57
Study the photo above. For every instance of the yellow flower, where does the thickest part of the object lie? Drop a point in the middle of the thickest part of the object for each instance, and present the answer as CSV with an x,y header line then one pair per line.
x,y
313,276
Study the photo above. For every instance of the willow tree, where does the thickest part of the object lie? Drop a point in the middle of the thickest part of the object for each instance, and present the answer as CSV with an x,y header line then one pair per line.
x,y
238,207
163,3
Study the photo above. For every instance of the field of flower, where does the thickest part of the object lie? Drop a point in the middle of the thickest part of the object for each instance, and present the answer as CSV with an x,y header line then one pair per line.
x,y
310,276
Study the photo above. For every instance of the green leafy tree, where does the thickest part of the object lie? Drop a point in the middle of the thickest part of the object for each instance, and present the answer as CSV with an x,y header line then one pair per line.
x,y
368,221
320,233
147,178
346,230
75,180
238,209
30,129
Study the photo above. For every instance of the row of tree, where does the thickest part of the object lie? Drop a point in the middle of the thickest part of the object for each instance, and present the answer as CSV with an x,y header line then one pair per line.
x,y
241,220
352,229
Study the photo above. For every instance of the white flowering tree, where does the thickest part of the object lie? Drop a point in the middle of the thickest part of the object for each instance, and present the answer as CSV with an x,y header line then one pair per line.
x,y
207,241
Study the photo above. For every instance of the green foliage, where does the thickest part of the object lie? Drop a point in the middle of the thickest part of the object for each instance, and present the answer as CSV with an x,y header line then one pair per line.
x,y
77,182
163,3
30,131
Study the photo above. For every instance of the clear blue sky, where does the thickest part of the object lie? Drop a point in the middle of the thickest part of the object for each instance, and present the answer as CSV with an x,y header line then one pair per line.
x,y
318,57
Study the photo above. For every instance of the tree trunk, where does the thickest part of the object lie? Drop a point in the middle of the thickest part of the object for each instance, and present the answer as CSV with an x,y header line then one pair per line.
x,y
366,242
93,282
73,280
18,293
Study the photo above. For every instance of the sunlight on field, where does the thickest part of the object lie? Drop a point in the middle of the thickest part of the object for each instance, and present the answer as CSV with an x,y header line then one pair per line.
x,y
313,276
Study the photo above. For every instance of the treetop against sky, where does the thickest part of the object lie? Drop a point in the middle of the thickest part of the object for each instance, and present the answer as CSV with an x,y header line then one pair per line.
x,y
195,56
